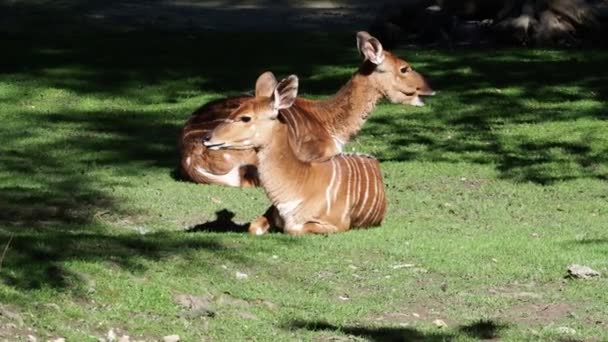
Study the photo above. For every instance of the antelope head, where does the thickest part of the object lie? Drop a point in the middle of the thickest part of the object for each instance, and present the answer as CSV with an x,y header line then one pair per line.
x,y
251,124
392,76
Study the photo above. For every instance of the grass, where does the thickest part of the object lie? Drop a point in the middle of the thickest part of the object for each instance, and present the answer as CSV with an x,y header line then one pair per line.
x,y
494,188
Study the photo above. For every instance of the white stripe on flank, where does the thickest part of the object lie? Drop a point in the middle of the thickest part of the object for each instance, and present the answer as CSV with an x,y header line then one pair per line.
x,y
371,208
331,183
366,194
348,183
355,181
338,179
378,198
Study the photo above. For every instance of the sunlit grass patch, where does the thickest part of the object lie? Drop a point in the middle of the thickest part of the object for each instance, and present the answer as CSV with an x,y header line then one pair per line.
x,y
494,188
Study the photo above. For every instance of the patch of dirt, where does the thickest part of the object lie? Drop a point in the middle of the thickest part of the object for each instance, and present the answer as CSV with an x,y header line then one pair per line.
x,y
472,183
195,306
12,325
210,305
329,337
517,291
412,313
538,314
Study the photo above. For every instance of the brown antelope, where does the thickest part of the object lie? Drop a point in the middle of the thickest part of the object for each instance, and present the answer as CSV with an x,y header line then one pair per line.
x,y
321,127
321,196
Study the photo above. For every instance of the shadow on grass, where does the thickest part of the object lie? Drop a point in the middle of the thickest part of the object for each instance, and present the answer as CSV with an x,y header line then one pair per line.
x,y
50,171
376,334
222,224
36,258
51,160
483,329
478,330
530,113
59,166
598,244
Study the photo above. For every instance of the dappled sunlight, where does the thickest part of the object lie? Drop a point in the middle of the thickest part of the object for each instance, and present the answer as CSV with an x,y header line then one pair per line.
x,y
38,257
496,180
484,103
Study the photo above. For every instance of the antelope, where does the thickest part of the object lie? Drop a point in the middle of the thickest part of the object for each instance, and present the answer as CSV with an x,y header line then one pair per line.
x,y
320,196
321,127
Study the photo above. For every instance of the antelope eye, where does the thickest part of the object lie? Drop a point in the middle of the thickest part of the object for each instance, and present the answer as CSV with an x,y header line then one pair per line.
x,y
405,69
245,118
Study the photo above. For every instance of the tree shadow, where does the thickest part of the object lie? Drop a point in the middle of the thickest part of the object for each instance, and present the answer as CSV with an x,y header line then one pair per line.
x,y
36,258
222,224
597,244
497,91
484,329
376,334
50,159
599,241
73,16
56,180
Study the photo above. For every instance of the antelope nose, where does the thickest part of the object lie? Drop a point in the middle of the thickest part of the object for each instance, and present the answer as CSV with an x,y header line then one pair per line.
x,y
207,137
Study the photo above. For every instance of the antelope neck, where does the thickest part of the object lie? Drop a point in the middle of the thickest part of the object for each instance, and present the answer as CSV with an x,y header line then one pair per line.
x,y
278,165
347,110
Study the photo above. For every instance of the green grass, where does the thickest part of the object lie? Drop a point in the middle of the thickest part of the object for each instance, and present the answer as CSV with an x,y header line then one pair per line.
x,y
494,188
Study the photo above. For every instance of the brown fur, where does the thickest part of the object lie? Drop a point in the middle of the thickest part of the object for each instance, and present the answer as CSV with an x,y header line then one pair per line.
x,y
322,126
326,196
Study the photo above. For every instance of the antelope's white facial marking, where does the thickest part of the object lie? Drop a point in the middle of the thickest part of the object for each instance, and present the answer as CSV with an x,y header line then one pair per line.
x,y
231,178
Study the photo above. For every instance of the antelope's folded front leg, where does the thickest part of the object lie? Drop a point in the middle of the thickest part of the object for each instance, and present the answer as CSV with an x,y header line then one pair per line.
x,y
314,228
262,224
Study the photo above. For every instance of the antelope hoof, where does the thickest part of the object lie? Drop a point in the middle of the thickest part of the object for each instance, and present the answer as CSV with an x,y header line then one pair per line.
x,y
259,226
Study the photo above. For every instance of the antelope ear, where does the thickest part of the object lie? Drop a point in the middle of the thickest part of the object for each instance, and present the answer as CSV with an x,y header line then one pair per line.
x,y
265,84
285,93
370,48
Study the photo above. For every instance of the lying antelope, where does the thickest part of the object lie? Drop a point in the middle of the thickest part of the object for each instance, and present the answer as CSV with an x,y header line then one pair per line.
x,y
321,127
326,196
